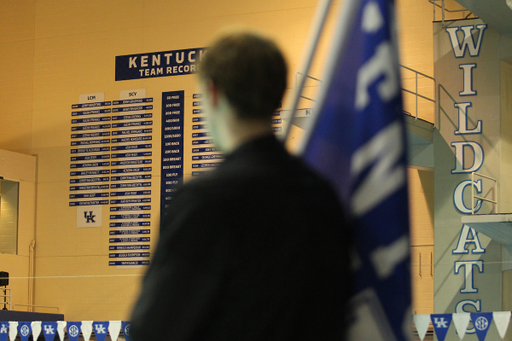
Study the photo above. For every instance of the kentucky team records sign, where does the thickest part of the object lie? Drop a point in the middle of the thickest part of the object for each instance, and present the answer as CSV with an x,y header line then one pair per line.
x,y
158,64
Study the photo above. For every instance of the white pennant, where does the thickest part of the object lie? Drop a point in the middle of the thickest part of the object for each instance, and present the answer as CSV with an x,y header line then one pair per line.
x,y
421,322
13,330
60,329
461,321
501,319
36,329
87,329
114,327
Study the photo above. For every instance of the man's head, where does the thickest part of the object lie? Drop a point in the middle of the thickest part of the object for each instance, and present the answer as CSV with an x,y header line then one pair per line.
x,y
249,70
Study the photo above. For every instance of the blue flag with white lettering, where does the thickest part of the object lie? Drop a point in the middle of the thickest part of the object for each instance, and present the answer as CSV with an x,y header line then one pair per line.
x,y
358,143
100,330
482,322
73,330
4,330
125,325
24,329
49,330
441,323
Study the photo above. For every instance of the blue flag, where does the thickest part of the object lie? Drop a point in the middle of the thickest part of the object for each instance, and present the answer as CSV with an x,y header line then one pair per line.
x,y
441,323
4,330
49,330
358,143
100,330
125,326
24,329
482,322
74,330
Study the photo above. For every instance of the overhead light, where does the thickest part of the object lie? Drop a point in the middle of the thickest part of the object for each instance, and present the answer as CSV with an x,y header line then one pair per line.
x,y
509,3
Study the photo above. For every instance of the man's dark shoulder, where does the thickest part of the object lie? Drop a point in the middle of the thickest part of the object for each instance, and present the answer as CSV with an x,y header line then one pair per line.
x,y
264,171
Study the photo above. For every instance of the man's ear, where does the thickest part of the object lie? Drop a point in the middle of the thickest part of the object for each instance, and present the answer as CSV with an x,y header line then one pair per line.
x,y
213,92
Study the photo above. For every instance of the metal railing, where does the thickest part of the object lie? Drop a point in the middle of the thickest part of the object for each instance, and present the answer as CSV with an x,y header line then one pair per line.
x,y
416,88
297,74
414,92
6,301
473,196
465,12
35,306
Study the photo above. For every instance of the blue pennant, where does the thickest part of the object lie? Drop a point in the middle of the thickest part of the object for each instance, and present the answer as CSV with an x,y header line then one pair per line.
x,y
4,330
24,329
74,330
441,323
482,322
125,326
100,329
49,330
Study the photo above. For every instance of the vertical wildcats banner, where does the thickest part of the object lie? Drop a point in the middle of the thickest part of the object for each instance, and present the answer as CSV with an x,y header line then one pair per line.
x,y
358,142
471,135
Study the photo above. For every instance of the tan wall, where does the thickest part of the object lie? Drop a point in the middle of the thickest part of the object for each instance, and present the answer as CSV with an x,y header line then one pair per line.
x,y
421,192
55,50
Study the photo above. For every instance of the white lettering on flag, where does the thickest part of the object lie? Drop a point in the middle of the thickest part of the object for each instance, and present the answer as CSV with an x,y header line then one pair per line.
x,y
385,259
371,322
381,64
386,176
49,329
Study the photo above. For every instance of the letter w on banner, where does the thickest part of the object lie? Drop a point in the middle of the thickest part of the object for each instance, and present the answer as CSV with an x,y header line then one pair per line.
x,y
358,142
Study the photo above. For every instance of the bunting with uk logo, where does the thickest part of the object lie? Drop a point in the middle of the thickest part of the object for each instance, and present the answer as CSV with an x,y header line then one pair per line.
x,y
357,141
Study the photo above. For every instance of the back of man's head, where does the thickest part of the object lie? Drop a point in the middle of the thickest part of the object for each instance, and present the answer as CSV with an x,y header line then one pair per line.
x,y
251,72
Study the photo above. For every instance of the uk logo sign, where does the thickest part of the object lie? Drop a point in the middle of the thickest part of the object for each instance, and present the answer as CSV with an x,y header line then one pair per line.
x,y
89,216
4,331
441,323
49,330
100,329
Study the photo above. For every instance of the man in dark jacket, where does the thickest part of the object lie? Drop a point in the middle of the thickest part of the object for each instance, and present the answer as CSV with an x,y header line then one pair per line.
x,y
258,248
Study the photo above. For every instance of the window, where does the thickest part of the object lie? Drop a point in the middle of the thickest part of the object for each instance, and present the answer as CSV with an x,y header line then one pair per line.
x,y
9,216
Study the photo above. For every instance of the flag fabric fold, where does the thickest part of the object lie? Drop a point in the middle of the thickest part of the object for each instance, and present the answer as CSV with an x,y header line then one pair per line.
x,y
358,142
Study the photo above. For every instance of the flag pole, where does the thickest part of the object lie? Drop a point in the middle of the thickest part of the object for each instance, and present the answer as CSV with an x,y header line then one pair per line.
x,y
314,37
345,22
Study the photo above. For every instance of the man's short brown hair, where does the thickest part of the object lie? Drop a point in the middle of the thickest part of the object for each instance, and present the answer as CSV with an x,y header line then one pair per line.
x,y
250,70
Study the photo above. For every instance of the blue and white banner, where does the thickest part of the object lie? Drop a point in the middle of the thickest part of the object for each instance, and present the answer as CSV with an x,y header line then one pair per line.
x,y
125,325
4,330
100,330
358,142
49,330
482,322
441,323
24,329
74,329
